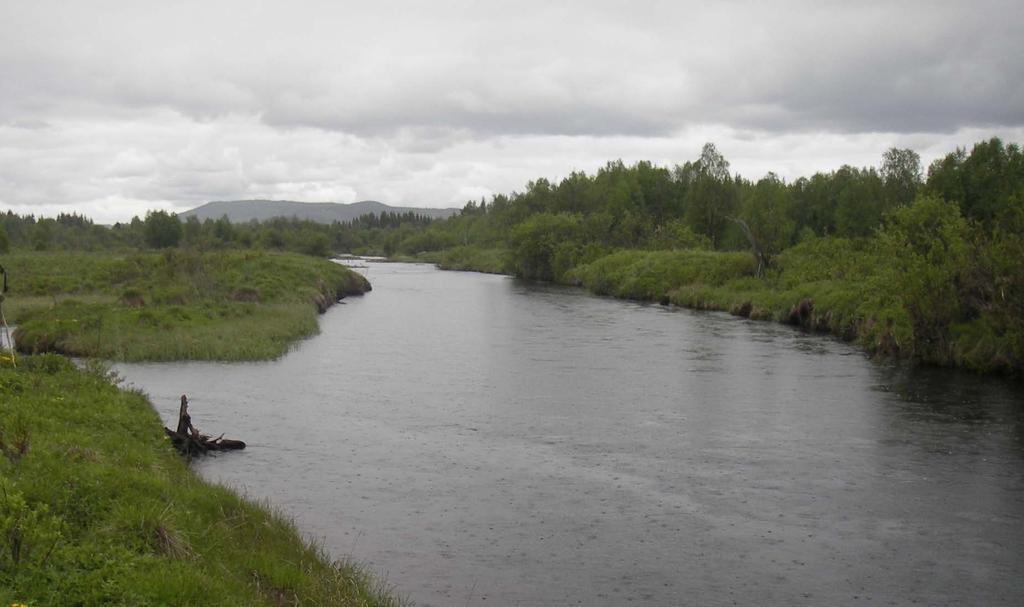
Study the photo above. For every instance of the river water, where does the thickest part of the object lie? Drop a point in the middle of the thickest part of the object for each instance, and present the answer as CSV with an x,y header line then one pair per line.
x,y
477,440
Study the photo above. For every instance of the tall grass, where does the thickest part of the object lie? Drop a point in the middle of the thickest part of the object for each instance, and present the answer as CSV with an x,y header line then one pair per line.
x,y
829,284
97,509
240,331
471,258
819,285
651,275
228,305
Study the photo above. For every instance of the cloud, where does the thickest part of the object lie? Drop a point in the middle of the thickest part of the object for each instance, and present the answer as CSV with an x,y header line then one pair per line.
x,y
120,105
600,69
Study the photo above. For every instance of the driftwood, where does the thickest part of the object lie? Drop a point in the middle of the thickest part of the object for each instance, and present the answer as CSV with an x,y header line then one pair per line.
x,y
199,444
189,441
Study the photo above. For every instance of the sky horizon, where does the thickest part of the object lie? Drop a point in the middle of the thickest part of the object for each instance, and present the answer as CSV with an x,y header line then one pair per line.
x,y
109,109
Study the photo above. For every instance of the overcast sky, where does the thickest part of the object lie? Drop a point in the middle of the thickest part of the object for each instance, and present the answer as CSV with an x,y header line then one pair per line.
x,y
113,108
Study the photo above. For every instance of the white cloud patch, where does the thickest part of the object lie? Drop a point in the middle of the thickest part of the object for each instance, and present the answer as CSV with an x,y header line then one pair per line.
x,y
111,108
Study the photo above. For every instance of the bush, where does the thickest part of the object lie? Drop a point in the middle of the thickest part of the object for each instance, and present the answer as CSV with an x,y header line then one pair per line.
x,y
162,229
650,275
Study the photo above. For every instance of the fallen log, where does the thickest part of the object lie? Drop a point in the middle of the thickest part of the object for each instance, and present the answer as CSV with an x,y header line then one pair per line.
x,y
189,441
199,444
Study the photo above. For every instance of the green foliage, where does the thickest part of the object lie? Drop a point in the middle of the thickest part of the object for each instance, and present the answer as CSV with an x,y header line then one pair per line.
x,y
545,245
905,293
828,259
711,196
814,204
28,533
901,175
162,229
241,305
317,246
675,234
848,251
492,261
856,252
859,201
928,249
987,184
102,511
766,219
42,235
651,275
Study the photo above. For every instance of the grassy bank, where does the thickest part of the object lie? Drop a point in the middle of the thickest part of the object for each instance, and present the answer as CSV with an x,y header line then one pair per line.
x,y
476,259
840,286
180,304
856,289
96,509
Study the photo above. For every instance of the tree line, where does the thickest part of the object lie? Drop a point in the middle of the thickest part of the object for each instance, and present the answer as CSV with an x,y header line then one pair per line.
x,y
549,226
161,230
925,263
552,226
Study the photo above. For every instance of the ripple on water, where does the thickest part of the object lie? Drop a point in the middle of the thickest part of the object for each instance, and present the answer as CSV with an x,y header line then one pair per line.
x,y
482,441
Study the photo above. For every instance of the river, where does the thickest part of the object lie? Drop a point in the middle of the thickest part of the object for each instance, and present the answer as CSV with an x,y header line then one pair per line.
x,y
477,440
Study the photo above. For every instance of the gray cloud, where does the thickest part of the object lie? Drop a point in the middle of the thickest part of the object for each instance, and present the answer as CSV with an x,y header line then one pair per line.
x,y
170,104
596,70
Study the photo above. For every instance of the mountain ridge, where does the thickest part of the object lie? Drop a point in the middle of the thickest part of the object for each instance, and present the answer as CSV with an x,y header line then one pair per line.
x,y
243,211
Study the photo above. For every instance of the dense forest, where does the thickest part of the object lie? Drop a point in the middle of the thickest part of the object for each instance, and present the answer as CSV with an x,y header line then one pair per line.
x,y
923,264
160,230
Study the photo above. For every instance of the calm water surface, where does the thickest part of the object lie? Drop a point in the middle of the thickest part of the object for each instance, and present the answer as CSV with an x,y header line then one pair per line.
x,y
481,441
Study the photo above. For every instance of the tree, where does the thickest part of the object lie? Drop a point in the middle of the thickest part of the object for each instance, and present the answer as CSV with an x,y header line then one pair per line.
x,y
993,180
544,245
223,231
901,174
162,230
192,230
988,184
5,243
711,195
813,204
766,220
945,179
928,248
859,204
713,164
317,245
42,234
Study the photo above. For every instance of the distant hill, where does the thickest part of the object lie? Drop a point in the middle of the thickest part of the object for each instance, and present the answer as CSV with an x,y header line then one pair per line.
x,y
242,211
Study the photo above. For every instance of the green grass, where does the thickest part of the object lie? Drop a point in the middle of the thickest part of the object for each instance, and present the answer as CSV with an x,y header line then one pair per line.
x,y
470,258
833,285
651,275
97,509
238,331
819,289
226,305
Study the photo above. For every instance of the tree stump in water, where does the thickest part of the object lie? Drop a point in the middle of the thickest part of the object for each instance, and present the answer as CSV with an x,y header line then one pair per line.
x,y
189,441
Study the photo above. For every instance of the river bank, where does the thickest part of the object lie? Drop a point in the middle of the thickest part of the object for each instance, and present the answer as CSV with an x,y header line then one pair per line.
x,y
175,305
848,288
98,509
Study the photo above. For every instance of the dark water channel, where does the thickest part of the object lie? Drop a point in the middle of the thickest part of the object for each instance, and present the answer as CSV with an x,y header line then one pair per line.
x,y
480,441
